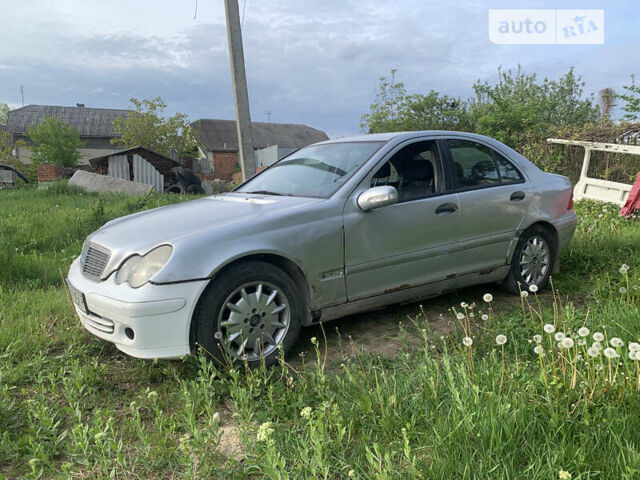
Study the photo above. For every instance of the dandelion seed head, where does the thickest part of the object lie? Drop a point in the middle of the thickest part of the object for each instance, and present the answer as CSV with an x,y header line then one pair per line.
x,y
598,337
593,352
567,342
460,316
616,342
501,339
559,336
524,294
582,342
610,353
538,349
487,297
549,328
467,341
537,338
485,317
624,268
623,290
583,332
533,288
464,304
634,347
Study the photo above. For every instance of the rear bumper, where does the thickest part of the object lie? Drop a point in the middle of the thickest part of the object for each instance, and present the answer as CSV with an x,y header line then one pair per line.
x,y
159,316
566,227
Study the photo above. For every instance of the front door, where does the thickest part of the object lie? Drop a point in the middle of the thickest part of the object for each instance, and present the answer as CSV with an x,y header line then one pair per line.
x,y
408,244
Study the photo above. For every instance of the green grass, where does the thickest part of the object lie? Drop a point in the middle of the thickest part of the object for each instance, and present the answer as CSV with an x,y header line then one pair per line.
x,y
72,406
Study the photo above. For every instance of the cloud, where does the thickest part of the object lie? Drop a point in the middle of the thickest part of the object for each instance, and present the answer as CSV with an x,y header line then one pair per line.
x,y
307,62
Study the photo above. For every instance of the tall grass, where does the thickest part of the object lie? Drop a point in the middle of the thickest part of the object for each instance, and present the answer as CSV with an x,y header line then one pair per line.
x,y
72,406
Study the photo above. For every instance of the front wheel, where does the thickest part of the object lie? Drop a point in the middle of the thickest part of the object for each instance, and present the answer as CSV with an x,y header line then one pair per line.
x,y
532,261
248,313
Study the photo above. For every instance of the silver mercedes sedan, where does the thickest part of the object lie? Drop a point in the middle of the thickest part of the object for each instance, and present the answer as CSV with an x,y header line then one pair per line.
x,y
338,227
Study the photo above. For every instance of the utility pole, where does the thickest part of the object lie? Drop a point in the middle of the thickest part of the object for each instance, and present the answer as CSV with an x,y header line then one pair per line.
x,y
240,92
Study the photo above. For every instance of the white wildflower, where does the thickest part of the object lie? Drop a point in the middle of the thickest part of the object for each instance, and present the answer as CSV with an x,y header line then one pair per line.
x,y
598,337
487,297
583,331
549,328
610,353
501,339
567,342
467,341
537,338
305,412
533,288
616,342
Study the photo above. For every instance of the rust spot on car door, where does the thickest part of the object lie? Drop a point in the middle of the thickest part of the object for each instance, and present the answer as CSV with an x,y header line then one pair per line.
x,y
397,289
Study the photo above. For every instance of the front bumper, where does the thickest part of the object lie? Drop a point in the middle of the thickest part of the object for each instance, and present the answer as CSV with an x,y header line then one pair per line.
x,y
159,316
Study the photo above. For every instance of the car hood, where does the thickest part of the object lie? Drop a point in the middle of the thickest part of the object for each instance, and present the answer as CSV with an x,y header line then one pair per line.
x,y
143,231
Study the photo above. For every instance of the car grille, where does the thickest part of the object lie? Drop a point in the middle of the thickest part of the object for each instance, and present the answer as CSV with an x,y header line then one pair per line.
x,y
101,324
93,260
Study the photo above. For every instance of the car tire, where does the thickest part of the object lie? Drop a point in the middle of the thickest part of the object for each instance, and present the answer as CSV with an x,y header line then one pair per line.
x,y
532,261
249,313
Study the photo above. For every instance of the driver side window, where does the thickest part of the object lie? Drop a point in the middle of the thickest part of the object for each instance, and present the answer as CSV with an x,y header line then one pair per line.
x,y
412,171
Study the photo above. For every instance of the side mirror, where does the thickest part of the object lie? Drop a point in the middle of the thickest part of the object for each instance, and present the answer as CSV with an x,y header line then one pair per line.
x,y
377,197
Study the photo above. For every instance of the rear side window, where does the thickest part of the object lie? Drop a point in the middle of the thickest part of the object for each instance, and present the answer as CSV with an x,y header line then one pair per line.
x,y
476,165
508,173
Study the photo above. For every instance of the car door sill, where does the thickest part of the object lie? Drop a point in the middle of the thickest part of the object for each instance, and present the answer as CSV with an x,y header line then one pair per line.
x,y
408,294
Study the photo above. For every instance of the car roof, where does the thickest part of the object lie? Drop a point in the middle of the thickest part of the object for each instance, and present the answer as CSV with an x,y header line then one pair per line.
x,y
399,136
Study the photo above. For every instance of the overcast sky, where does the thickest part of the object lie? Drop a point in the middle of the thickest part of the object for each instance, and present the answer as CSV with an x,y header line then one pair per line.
x,y
313,62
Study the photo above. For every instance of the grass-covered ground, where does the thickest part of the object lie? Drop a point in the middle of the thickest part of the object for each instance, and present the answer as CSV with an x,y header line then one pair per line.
x,y
72,406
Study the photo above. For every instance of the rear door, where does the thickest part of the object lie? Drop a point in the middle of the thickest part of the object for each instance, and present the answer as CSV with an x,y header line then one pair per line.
x,y
493,201
411,243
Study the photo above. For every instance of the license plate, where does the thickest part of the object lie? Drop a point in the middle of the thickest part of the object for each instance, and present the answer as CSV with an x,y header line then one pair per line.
x,y
78,298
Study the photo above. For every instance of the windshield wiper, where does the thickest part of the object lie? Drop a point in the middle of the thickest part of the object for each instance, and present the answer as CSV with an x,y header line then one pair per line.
x,y
267,192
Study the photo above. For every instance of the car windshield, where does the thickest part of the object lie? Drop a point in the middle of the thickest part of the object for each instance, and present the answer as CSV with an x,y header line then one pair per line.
x,y
314,171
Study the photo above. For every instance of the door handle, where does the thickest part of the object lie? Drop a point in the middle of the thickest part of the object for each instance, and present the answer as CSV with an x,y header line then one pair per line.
x,y
517,196
446,208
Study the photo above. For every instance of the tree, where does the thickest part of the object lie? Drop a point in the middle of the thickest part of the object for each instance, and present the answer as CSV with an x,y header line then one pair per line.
x,y
55,142
632,101
148,127
394,110
519,106
4,111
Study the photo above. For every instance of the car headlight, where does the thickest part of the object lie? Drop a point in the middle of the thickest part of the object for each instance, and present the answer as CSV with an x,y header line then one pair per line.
x,y
138,269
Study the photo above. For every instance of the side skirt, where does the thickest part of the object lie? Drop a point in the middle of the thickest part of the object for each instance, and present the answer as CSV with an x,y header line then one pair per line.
x,y
410,294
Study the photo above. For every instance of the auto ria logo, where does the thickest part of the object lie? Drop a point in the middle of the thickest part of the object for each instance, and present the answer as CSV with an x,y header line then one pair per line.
x,y
543,26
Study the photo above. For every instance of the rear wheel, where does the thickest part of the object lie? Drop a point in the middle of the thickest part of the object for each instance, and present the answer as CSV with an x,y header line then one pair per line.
x,y
532,261
250,311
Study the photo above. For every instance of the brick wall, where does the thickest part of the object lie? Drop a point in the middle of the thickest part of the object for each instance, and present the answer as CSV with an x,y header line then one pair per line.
x,y
48,172
224,164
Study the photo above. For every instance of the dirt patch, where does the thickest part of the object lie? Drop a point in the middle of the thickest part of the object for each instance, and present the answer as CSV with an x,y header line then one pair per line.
x,y
388,331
